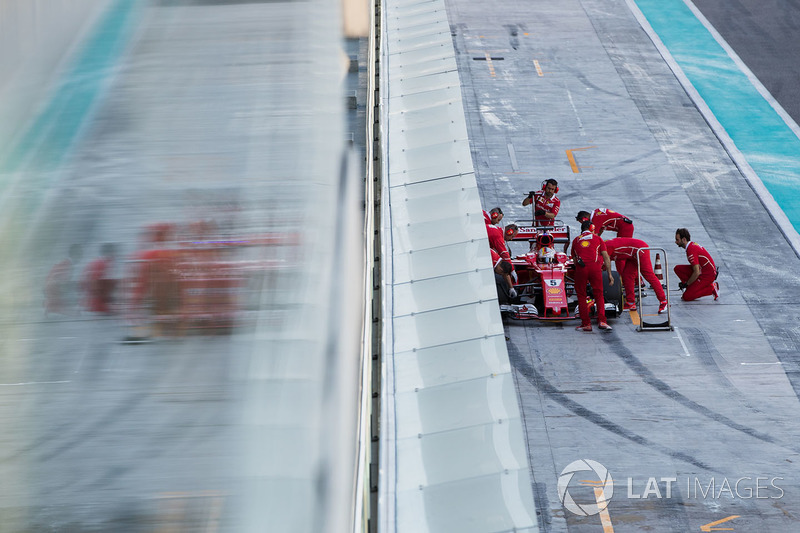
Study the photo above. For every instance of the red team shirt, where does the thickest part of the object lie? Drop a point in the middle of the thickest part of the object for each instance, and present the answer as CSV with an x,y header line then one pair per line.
x,y
697,255
497,242
551,205
608,219
588,246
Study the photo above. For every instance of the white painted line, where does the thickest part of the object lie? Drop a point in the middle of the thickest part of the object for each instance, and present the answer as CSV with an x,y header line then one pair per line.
x,y
685,348
753,364
513,155
787,119
32,383
577,116
774,210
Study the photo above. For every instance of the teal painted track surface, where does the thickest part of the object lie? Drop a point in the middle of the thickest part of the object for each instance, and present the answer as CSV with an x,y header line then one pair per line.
x,y
766,141
46,142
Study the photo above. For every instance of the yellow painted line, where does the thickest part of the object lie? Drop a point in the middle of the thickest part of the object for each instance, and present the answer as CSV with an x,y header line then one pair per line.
x,y
709,527
635,318
605,518
491,65
538,67
526,34
571,157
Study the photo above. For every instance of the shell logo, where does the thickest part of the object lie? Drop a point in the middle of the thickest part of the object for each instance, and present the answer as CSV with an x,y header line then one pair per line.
x,y
585,244
553,290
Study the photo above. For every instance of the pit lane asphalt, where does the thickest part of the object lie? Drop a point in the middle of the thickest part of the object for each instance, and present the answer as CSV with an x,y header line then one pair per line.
x,y
716,398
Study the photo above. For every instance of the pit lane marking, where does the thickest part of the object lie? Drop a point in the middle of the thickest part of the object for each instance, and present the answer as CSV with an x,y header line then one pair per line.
x,y
572,163
710,525
538,68
685,348
605,517
635,318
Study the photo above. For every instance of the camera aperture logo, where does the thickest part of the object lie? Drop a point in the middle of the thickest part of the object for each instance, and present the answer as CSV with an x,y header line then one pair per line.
x,y
597,478
603,482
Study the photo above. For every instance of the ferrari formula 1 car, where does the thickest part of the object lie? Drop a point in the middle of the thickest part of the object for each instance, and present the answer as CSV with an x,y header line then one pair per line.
x,y
545,277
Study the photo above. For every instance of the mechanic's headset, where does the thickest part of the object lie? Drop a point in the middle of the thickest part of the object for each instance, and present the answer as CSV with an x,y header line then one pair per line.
x,y
544,186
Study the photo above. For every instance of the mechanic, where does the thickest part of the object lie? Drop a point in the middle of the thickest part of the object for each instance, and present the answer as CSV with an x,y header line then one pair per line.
x,y
698,278
97,281
590,255
506,293
498,238
493,217
545,203
608,219
625,250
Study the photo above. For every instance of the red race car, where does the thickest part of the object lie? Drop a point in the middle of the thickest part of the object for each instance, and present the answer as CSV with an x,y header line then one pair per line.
x,y
545,282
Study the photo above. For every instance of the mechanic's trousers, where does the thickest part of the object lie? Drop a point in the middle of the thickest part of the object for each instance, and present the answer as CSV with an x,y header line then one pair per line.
x,y
594,276
702,286
502,289
629,272
625,229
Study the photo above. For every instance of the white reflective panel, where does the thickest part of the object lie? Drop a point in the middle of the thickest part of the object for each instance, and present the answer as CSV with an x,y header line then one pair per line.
x,y
441,108
434,170
420,236
460,361
446,326
465,453
424,103
430,136
421,16
434,136
442,260
484,400
448,158
400,4
427,188
437,293
431,208
421,55
433,28
424,84
475,505
423,68
412,7
409,43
